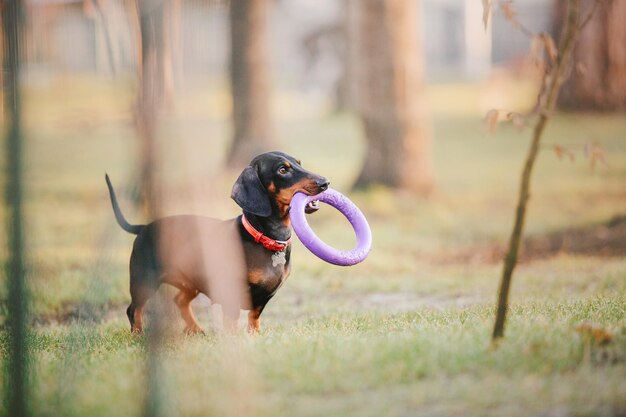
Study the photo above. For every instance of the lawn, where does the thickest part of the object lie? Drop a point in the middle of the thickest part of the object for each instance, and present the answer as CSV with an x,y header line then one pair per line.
x,y
404,333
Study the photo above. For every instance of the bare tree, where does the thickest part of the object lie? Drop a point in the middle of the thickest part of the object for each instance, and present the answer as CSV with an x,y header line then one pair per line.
x,y
391,106
338,39
598,80
558,68
252,131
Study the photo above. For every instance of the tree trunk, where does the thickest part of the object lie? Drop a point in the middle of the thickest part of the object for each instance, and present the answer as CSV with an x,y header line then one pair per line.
x,y
598,80
156,90
157,85
16,376
249,81
398,137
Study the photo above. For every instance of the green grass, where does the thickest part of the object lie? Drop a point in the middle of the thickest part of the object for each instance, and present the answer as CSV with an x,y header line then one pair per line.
x,y
422,362
405,333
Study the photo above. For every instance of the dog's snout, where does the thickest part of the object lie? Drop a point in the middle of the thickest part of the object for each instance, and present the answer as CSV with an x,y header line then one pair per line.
x,y
323,184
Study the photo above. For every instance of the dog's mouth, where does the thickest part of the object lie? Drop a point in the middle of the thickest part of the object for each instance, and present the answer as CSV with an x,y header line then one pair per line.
x,y
312,207
313,187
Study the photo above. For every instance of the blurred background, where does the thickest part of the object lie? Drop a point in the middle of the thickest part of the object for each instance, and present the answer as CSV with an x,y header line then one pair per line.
x,y
385,98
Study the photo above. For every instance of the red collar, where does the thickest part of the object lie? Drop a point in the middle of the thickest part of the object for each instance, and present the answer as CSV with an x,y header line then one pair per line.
x,y
269,244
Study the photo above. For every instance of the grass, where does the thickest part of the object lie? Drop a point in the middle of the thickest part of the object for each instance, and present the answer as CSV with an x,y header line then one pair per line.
x,y
426,362
405,333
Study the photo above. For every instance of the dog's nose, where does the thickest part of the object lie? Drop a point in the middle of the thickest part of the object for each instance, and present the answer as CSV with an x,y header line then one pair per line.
x,y
323,184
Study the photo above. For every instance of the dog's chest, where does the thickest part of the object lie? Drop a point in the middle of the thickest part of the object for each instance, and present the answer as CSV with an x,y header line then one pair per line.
x,y
269,276
268,270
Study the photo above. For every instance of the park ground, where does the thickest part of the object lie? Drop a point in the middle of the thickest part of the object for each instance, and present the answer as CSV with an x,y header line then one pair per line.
x,y
405,333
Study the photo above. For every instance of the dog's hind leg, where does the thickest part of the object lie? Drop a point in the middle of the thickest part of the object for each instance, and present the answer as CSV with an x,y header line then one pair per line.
x,y
140,297
144,281
183,301
136,325
135,316
130,313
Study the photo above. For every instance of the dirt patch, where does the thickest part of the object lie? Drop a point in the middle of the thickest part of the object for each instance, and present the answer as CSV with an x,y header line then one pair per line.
x,y
398,302
606,239
79,312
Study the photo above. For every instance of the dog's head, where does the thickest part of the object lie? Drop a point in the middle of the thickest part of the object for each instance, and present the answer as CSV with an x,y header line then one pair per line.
x,y
271,180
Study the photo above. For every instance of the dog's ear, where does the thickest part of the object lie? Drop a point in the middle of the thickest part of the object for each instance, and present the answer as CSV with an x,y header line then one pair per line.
x,y
249,193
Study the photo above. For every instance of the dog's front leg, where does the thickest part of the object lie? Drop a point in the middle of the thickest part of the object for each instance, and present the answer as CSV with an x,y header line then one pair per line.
x,y
254,320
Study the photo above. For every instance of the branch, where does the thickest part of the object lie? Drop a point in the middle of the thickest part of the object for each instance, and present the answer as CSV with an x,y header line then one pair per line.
x,y
589,15
553,81
511,15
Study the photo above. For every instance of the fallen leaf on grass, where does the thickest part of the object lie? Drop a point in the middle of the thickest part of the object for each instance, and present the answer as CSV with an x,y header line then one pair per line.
x,y
595,334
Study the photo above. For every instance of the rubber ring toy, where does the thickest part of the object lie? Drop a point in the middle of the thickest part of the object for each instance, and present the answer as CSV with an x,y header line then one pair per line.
x,y
313,243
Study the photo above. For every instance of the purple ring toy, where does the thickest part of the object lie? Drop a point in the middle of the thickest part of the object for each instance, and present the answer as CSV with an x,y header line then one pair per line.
x,y
315,244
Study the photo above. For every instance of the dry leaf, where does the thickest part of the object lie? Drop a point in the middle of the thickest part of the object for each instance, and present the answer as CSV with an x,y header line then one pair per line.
x,y
535,50
595,334
486,12
602,336
509,12
549,45
491,120
598,154
595,154
517,120
559,150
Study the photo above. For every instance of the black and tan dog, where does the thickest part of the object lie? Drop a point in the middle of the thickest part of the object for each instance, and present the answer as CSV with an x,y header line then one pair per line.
x,y
196,254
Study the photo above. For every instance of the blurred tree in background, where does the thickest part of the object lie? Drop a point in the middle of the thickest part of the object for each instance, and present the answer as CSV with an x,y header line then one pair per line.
x,y
391,107
340,34
155,89
598,79
156,51
252,130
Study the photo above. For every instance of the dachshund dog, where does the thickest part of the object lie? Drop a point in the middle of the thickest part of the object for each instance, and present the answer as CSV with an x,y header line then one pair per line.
x,y
249,254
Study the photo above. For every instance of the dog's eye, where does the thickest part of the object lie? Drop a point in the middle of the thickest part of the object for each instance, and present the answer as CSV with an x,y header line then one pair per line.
x,y
282,170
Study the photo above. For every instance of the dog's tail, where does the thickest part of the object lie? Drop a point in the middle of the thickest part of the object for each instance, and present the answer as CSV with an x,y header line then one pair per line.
x,y
130,228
